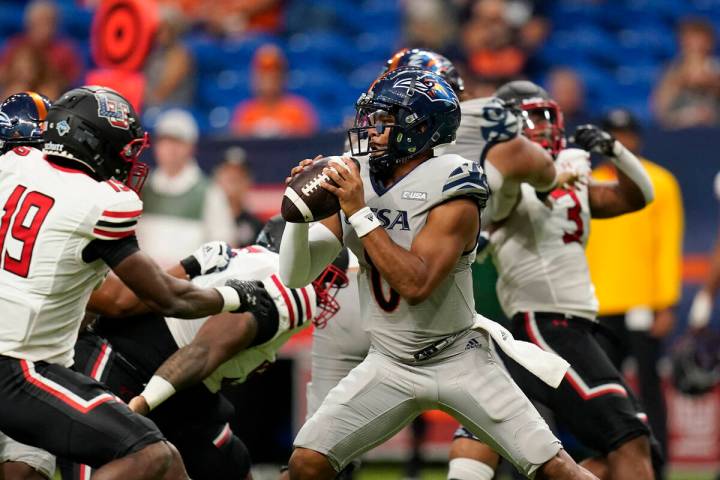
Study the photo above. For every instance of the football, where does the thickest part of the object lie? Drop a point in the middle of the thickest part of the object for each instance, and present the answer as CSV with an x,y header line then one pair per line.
x,y
305,200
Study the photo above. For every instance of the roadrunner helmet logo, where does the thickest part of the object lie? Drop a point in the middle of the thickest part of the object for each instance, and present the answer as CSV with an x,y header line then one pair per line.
x,y
426,86
116,112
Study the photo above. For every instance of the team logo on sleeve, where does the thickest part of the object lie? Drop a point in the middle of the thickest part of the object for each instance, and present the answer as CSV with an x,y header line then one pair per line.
x,y
498,123
116,112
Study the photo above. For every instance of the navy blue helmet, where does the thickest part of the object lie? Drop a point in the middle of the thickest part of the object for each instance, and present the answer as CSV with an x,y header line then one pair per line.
x,y
418,106
22,120
427,60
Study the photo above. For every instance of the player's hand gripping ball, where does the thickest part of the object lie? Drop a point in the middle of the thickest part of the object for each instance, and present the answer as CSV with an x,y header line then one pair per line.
x,y
305,200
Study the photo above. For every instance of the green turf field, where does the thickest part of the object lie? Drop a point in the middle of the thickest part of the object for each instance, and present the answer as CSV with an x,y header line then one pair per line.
x,y
391,473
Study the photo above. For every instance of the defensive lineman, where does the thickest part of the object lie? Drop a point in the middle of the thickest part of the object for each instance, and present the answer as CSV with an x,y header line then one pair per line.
x,y
201,355
415,290
69,215
544,286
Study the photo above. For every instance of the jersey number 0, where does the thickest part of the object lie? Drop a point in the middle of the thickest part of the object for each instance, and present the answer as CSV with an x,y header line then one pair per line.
x,y
25,227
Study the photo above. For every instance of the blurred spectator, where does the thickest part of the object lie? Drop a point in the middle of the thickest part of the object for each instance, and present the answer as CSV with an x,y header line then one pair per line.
x,y
689,91
491,44
237,17
567,89
635,264
169,69
232,17
39,59
182,208
272,112
235,179
429,24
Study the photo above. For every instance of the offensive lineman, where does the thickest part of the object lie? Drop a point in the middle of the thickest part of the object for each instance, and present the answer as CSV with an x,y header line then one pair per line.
x,y
69,214
201,355
421,321
544,286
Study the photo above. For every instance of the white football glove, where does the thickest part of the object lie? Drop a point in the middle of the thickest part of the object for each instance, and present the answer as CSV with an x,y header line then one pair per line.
x,y
573,163
209,258
701,309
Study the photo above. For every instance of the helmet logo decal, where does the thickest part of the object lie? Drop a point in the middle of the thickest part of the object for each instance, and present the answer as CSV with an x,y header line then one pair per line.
x,y
5,120
116,112
424,85
62,128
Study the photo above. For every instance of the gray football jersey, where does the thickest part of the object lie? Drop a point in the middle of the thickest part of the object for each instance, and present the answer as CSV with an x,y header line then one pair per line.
x,y
396,328
486,122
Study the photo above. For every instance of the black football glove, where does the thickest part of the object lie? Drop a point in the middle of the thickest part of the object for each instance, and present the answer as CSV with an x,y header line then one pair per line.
x,y
254,299
593,139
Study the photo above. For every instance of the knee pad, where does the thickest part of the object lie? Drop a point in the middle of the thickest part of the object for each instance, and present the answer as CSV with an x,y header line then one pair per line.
x,y
468,469
237,454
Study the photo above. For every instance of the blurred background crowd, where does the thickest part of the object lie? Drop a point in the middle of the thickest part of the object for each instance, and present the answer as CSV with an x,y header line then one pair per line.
x,y
234,92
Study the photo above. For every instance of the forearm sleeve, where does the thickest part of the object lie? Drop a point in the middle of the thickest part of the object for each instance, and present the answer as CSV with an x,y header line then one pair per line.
x,y
305,251
629,164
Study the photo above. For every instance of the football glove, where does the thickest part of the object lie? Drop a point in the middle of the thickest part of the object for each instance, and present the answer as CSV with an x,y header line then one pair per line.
x,y
209,258
593,139
254,299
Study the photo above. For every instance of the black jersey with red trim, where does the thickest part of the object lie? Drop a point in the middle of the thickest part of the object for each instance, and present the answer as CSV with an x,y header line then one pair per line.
x,y
49,216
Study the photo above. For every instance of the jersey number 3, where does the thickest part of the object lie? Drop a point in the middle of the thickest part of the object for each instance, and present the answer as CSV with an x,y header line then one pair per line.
x,y
33,209
573,214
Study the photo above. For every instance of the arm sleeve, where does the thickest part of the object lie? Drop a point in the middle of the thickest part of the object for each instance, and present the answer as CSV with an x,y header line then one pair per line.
x,y
305,251
668,223
112,252
217,217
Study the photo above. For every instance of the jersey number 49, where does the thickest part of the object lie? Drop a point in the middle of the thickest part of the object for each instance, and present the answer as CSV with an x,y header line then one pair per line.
x,y
32,209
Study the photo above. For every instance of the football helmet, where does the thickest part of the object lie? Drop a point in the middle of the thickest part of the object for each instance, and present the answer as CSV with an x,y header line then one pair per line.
x,y
695,362
418,106
427,60
543,121
22,120
97,130
326,285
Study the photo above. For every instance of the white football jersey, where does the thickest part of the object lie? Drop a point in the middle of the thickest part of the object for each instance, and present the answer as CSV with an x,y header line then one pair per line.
x,y
298,308
50,214
397,328
539,252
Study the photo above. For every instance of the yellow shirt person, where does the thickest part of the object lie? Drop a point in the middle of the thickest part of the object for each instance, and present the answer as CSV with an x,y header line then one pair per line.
x,y
636,259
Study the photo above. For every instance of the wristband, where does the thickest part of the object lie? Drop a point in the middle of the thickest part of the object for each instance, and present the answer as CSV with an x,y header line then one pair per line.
x,y
364,221
157,391
231,298
191,266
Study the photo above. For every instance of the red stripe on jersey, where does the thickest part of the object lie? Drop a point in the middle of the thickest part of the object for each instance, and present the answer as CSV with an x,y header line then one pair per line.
x,y
100,362
111,214
306,299
105,233
223,436
286,298
31,376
